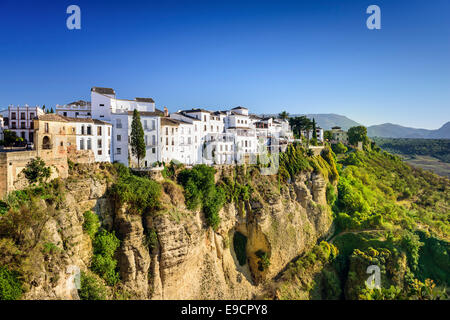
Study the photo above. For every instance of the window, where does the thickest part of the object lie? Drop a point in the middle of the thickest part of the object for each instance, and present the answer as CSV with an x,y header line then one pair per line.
x,y
31,115
145,125
102,105
119,137
65,114
146,142
205,127
99,152
153,125
118,151
46,129
82,144
99,143
99,131
89,130
212,129
173,130
109,131
167,131
46,143
153,140
119,123
189,140
22,125
167,141
77,114
82,129
89,144
61,144
204,118
153,150
13,116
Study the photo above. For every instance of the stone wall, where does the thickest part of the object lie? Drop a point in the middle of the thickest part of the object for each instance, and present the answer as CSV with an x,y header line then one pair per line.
x,y
12,164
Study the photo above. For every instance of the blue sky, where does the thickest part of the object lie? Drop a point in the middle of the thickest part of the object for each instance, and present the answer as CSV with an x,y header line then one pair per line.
x,y
314,56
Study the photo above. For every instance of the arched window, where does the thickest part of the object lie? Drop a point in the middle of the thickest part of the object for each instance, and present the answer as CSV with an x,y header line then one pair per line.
x,y
46,143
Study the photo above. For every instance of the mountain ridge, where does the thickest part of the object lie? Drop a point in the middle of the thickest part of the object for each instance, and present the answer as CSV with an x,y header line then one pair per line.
x,y
385,130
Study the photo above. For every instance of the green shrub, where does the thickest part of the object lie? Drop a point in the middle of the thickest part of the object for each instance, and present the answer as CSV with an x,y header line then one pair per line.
x,y
140,193
106,243
10,285
151,239
92,288
36,171
103,262
91,223
240,247
201,191
330,194
264,260
339,148
106,267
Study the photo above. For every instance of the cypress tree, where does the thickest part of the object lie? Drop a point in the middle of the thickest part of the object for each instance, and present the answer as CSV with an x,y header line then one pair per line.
x,y
137,137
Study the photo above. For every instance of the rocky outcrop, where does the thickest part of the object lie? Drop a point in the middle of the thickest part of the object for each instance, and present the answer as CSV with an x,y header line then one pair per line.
x,y
190,260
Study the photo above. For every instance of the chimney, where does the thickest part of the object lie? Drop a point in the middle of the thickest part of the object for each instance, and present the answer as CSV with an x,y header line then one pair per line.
x,y
166,112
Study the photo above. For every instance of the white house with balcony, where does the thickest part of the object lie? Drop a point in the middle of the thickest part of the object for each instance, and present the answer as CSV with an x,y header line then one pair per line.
x,y
95,135
20,120
77,109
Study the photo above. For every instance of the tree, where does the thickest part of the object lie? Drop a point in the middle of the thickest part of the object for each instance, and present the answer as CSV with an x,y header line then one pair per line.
x,y
10,138
327,135
299,124
283,115
356,134
339,148
314,133
36,171
137,137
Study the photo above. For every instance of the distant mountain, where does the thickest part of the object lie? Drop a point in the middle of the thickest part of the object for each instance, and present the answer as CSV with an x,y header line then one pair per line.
x,y
389,130
328,120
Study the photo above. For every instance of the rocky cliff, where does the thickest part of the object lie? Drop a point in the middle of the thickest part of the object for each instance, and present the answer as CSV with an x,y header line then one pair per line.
x,y
189,259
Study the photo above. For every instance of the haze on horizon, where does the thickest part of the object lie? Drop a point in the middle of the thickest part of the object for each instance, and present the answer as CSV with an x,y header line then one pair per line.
x,y
301,56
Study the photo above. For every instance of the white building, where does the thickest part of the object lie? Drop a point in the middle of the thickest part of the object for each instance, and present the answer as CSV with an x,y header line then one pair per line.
x,y
77,109
177,141
119,112
1,127
95,135
319,134
20,120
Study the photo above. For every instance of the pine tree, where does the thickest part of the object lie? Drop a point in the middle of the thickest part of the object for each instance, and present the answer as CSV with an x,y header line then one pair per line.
x,y
137,137
314,129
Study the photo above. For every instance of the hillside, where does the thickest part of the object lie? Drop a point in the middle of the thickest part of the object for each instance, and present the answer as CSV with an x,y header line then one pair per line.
x,y
307,232
327,121
389,130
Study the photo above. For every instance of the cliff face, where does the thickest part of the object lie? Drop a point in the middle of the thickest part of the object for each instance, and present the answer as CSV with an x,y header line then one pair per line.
x,y
189,260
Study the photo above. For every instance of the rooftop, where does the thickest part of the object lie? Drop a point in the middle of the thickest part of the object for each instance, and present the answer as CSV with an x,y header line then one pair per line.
x,y
148,100
103,90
